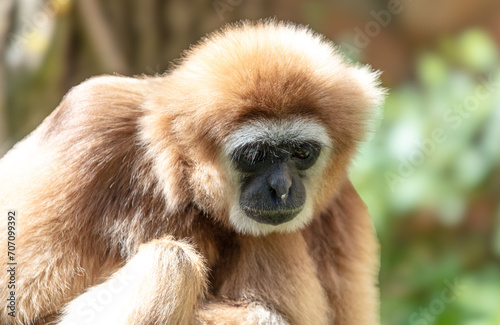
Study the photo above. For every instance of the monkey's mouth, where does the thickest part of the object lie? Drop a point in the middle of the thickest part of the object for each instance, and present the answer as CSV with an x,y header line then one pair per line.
x,y
272,216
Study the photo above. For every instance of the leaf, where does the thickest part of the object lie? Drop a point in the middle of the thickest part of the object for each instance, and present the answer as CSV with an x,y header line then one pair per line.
x,y
476,50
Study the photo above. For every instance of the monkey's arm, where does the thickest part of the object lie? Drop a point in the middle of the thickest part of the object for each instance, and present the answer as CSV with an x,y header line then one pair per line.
x,y
343,245
162,284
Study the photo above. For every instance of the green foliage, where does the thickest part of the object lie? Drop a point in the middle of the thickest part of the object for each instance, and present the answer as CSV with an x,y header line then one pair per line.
x,y
428,179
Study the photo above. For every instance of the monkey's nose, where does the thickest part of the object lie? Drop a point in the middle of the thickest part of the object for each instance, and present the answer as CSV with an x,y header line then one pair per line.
x,y
280,185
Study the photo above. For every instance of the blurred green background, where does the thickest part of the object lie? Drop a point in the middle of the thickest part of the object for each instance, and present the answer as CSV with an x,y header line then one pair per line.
x,y
430,174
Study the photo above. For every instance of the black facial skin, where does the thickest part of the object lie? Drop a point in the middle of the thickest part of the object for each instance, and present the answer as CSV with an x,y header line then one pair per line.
x,y
272,188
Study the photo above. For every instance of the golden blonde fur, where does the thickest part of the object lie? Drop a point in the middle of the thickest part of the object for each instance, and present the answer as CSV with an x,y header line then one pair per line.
x,y
128,179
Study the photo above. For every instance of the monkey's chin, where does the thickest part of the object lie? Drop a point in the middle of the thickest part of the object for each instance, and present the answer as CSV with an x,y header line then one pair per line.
x,y
285,221
272,217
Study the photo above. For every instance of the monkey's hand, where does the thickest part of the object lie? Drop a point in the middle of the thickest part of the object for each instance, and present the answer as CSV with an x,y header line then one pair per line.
x,y
227,313
162,284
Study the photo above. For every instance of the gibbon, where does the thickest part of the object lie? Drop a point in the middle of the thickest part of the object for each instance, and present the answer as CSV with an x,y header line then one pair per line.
x,y
214,194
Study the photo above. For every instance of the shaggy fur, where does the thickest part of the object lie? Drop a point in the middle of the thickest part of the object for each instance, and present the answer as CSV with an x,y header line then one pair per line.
x,y
125,191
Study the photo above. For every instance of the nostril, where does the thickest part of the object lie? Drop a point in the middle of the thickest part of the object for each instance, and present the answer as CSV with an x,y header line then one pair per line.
x,y
279,197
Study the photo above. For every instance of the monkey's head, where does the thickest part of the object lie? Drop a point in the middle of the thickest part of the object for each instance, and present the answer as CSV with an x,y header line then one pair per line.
x,y
257,124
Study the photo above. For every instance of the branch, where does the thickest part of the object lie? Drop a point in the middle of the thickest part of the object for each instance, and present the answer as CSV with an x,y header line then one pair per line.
x,y
101,36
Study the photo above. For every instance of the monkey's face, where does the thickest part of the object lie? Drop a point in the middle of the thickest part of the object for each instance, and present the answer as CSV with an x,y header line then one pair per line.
x,y
272,190
276,164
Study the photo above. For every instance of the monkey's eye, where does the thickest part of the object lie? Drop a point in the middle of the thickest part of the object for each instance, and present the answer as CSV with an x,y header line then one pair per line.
x,y
306,154
252,156
301,153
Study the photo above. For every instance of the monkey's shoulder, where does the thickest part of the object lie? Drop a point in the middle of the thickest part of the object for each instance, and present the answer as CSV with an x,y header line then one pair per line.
x,y
100,105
